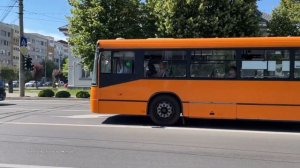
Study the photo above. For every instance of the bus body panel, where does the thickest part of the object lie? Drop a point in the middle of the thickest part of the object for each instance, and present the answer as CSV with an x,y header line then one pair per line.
x,y
227,99
120,107
212,111
251,42
94,99
269,112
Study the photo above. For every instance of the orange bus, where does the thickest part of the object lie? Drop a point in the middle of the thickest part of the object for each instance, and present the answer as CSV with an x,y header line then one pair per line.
x,y
214,78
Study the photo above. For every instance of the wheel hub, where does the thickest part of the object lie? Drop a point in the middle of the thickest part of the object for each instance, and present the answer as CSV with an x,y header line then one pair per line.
x,y
164,110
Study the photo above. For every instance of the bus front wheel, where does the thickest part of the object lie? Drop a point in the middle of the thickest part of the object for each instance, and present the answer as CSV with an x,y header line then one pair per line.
x,y
164,110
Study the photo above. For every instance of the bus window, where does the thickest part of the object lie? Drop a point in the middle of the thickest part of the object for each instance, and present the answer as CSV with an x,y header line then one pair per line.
x,y
297,64
123,62
117,62
265,64
213,64
106,62
165,64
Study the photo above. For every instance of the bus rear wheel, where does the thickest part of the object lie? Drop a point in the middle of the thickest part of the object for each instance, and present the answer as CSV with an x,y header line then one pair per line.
x,y
164,110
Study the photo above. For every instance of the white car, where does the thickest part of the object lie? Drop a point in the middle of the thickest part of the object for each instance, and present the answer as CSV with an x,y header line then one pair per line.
x,y
30,84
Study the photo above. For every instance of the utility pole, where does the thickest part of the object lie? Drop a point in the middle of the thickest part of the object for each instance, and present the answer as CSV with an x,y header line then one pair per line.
x,y
21,57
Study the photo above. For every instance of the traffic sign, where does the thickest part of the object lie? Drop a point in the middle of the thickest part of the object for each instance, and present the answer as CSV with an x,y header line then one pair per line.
x,y
23,42
24,51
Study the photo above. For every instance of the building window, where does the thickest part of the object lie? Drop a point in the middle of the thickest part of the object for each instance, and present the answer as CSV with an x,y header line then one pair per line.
x,y
265,64
85,73
3,33
216,64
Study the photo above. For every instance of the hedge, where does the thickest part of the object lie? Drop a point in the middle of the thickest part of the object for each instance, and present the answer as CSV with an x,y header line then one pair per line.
x,y
62,94
46,93
82,94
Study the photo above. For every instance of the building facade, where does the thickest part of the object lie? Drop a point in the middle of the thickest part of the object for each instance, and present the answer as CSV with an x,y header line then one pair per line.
x,y
61,51
6,45
78,75
37,47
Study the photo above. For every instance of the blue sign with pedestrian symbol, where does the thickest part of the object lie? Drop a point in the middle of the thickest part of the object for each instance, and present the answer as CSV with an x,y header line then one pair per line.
x,y
23,42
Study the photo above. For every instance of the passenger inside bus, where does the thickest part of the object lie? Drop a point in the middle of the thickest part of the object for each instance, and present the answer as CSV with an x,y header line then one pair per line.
x,y
151,72
163,71
232,72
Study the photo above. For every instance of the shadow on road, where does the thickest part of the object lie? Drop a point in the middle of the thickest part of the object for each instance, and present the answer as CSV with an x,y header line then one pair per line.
x,y
211,124
6,104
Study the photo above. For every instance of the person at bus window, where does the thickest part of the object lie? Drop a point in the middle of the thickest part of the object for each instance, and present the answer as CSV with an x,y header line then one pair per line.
x,y
232,72
151,72
163,72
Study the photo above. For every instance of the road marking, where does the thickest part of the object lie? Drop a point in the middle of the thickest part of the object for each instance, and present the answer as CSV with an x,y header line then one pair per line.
x,y
26,166
153,127
87,116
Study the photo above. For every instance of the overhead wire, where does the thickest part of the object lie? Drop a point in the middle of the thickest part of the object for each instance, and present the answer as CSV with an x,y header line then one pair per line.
x,y
8,10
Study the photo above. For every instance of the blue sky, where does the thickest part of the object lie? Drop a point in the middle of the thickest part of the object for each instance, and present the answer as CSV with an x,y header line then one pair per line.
x,y
45,16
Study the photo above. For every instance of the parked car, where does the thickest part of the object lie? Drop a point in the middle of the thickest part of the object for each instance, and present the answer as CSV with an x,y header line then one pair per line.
x,y
32,84
2,91
47,84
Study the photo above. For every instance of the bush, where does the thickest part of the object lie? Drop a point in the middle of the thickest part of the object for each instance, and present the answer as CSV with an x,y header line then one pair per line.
x,y
62,94
46,93
82,94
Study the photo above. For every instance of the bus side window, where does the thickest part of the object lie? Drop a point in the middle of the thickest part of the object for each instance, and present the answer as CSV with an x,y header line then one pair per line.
x,y
214,64
105,62
123,62
265,64
297,65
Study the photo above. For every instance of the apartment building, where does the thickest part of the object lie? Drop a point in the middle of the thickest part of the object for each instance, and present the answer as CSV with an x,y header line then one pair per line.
x,y
6,46
15,45
61,51
38,46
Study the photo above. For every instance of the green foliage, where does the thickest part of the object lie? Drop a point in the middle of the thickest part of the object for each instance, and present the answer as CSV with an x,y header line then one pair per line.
x,y
49,68
46,93
286,19
65,69
8,73
205,18
62,94
82,94
92,20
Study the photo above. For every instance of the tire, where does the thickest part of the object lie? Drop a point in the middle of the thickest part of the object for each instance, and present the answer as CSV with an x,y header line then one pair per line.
x,y
164,110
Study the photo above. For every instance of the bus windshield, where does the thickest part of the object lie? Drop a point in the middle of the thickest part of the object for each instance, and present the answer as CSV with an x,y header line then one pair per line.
x,y
95,69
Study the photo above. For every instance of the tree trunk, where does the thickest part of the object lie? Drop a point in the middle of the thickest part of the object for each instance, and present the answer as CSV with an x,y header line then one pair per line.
x,y
36,85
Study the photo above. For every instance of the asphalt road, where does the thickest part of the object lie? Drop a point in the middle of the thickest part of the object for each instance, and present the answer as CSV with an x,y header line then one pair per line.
x,y
63,133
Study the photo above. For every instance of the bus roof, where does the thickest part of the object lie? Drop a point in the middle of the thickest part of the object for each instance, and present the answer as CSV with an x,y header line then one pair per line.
x,y
169,43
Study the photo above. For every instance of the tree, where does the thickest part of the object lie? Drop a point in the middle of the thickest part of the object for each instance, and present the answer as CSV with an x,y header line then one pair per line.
x,y
286,19
206,18
37,73
57,75
65,69
8,74
92,20
49,68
